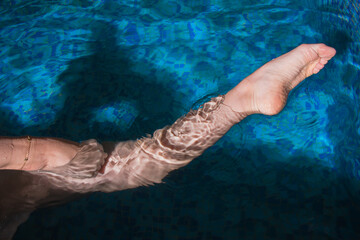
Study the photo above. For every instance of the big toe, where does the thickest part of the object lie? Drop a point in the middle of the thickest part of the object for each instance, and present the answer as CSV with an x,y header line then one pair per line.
x,y
325,52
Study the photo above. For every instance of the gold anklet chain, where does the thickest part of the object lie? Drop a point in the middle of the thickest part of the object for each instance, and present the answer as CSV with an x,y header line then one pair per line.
x,y
27,153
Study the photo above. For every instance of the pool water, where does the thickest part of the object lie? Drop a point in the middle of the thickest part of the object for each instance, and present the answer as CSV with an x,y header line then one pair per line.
x,y
116,70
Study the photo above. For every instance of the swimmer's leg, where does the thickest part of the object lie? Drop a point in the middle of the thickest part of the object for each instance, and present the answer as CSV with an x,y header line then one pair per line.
x,y
150,159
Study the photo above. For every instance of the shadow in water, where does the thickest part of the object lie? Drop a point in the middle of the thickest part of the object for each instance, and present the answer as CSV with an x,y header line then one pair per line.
x,y
103,79
338,39
8,122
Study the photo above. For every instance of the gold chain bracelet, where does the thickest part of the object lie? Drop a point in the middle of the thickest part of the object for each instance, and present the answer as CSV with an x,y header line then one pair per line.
x,y
27,153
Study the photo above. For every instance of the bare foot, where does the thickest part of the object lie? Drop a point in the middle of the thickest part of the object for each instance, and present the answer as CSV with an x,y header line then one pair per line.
x,y
266,90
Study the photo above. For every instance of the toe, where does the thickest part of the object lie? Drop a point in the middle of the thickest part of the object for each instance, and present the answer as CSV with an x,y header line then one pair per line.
x,y
317,68
326,51
323,61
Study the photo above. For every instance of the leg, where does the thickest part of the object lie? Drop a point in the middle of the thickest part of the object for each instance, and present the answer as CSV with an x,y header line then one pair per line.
x,y
150,159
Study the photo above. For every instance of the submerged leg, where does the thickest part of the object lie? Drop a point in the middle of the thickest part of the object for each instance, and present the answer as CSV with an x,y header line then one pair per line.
x,y
148,160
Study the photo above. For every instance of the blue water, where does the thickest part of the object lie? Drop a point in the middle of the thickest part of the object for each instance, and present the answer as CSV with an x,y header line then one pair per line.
x,y
116,70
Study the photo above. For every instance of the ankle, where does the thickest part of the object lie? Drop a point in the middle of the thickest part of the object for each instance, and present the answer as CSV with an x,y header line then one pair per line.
x,y
239,99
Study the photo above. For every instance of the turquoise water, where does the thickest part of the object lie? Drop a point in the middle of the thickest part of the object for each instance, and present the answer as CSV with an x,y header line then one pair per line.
x,y
116,70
